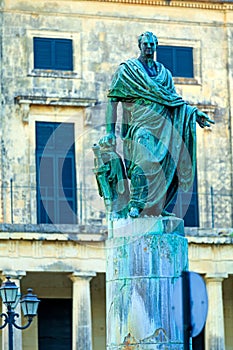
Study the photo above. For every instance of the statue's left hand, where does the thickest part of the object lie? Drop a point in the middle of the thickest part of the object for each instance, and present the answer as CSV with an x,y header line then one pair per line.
x,y
203,120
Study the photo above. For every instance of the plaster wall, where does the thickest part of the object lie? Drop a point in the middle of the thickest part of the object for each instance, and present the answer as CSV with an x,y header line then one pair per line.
x,y
228,310
57,286
52,256
105,34
212,258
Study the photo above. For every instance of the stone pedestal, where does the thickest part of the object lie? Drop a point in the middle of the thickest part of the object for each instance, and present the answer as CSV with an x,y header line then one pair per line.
x,y
145,257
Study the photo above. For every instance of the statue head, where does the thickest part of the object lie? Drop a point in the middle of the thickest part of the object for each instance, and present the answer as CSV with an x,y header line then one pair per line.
x,y
148,36
147,43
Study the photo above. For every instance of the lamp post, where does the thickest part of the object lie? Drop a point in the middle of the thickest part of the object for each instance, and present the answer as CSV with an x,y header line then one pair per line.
x,y
11,298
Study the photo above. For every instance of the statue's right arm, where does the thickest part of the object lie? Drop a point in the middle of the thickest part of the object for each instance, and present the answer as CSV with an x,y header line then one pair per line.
x,y
111,117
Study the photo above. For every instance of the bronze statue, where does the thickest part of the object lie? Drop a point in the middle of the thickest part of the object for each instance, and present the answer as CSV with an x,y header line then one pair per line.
x,y
158,131
111,179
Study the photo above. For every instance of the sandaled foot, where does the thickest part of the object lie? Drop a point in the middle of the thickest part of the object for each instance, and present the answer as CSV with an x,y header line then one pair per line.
x,y
166,213
134,212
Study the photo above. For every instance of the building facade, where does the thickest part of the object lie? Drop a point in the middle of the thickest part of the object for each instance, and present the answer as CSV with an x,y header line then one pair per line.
x,y
57,60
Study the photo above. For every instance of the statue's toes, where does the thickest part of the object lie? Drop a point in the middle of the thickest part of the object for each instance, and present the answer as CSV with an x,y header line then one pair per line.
x,y
134,212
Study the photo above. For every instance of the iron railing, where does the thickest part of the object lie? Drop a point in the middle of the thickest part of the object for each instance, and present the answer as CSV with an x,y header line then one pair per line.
x,y
19,205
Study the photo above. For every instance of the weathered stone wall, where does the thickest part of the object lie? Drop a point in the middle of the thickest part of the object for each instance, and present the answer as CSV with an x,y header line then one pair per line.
x,y
44,258
105,34
210,254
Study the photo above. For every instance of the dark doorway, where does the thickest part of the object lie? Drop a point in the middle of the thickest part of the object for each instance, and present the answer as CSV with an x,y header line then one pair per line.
x,y
55,324
198,342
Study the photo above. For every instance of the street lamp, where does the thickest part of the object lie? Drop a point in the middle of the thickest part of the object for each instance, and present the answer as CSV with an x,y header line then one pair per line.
x,y
11,298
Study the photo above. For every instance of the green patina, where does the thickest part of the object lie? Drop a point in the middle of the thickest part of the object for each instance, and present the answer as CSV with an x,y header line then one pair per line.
x,y
144,269
159,135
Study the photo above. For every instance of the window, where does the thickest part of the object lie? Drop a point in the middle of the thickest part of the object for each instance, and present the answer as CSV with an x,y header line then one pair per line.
x,y
56,176
185,205
179,60
54,54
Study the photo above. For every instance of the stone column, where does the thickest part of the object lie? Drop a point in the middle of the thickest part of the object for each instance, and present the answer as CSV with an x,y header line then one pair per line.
x,y
82,323
145,258
17,333
214,331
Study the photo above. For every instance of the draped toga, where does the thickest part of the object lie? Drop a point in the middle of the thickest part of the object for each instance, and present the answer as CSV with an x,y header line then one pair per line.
x,y
159,133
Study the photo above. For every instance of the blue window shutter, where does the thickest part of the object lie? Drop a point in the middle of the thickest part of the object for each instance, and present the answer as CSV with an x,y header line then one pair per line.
x,y
179,60
185,205
63,54
165,56
184,62
56,174
52,53
45,136
42,53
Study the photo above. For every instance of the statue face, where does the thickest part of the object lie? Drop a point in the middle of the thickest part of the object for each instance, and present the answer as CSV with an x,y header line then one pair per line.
x,y
148,46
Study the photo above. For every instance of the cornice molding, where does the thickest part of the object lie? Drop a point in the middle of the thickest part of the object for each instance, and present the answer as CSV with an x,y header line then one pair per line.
x,y
56,101
210,5
26,101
